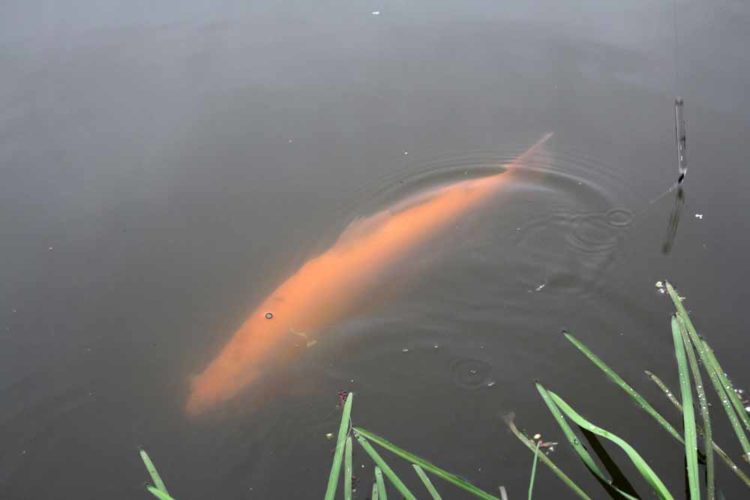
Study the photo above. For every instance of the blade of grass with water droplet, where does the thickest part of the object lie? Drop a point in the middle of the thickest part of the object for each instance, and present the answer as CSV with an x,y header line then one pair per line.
x,y
575,443
688,412
546,460
426,481
427,466
333,476
718,379
708,454
719,451
646,471
728,387
384,467
614,377
380,483
155,477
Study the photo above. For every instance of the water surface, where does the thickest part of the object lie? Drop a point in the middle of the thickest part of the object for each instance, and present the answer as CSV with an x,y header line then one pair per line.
x,y
163,168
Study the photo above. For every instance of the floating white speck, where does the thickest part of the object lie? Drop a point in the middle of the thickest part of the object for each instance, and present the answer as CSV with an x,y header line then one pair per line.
x,y
51,248
404,350
375,12
491,383
406,153
329,435
290,141
540,287
435,346
537,436
699,216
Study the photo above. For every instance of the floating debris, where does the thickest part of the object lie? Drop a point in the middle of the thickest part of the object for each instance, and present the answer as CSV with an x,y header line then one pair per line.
x,y
540,287
329,436
404,350
699,216
375,12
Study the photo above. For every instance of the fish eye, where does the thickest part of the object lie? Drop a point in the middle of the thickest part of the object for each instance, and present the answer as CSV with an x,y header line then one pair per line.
x,y
269,315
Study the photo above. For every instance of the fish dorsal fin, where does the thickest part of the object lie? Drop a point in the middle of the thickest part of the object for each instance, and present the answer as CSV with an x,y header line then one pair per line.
x,y
365,225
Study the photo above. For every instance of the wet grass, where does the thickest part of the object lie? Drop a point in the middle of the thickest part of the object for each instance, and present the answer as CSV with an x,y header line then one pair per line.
x,y
694,357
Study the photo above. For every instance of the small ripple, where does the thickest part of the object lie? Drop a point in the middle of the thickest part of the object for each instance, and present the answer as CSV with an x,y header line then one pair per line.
x,y
469,373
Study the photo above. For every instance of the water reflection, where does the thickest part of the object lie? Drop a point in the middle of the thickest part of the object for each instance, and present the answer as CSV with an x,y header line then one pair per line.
x,y
674,221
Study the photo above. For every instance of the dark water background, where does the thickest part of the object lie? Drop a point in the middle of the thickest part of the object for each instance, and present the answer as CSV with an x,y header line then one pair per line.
x,y
163,166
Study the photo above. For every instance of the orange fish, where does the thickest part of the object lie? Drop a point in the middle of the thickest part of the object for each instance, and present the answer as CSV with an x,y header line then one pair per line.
x,y
328,287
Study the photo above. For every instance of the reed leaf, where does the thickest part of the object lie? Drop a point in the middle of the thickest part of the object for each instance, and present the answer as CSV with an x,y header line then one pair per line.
x,y
708,454
728,387
530,495
576,444
374,494
333,476
380,483
614,377
155,477
427,466
158,493
348,469
646,471
546,460
719,380
427,483
688,412
392,477
719,451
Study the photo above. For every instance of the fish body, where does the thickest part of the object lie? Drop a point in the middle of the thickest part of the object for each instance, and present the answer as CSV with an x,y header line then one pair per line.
x,y
327,288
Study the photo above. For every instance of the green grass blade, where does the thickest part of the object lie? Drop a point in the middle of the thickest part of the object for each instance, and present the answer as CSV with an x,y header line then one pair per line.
x,y
386,469
374,494
348,469
380,483
503,493
708,454
575,443
546,460
718,379
427,483
614,377
427,466
333,477
151,468
646,471
530,495
688,412
158,493
728,387
719,451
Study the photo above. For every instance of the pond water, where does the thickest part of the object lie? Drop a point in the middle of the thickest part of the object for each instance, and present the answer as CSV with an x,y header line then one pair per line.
x,y
163,168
